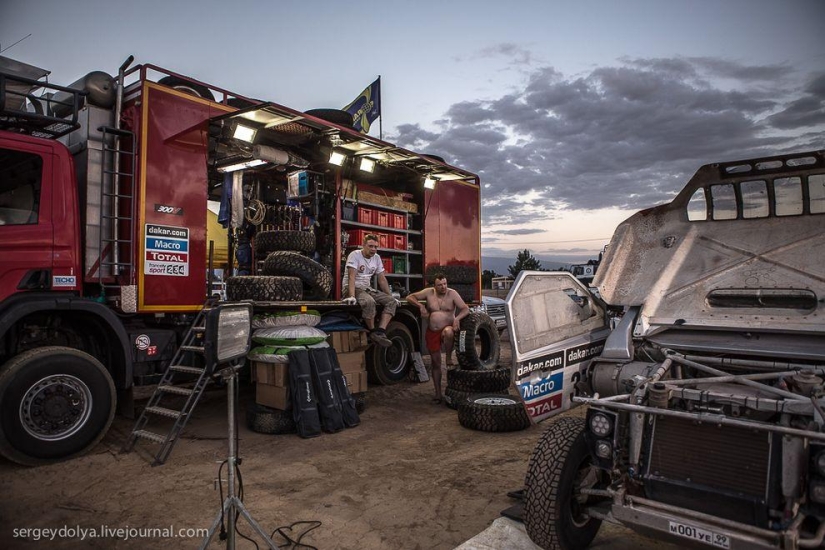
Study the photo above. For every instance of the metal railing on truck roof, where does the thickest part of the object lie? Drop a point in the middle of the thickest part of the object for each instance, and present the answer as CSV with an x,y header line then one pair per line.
x,y
23,111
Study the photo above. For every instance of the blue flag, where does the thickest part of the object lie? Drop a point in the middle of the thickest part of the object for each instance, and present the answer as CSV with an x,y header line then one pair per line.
x,y
366,107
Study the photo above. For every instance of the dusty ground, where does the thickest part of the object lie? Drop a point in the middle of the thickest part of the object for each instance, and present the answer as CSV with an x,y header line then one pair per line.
x,y
409,477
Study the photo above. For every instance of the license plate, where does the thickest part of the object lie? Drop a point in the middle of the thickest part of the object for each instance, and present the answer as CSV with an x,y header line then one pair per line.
x,y
712,538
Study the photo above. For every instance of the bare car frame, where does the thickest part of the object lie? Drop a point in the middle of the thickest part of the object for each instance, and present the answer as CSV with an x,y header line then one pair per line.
x,y
705,386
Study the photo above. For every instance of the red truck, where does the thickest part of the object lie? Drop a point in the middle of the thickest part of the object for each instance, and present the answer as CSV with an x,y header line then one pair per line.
x,y
107,255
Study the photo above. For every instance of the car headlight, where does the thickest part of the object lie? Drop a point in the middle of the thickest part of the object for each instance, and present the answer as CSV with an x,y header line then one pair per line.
x,y
604,449
820,463
601,425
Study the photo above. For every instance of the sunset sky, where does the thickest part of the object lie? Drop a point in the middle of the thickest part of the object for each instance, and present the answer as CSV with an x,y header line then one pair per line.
x,y
574,114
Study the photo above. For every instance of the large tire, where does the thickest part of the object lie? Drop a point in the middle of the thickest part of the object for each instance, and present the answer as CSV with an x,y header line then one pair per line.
x,y
273,241
293,264
456,274
264,289
477,345
360,401
467,292
479,381
336,116
453,397
187,87
266,420
560,465
492,412
391,365
55,403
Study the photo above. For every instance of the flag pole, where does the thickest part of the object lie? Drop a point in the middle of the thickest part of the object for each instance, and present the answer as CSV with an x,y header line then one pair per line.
x,y
380,114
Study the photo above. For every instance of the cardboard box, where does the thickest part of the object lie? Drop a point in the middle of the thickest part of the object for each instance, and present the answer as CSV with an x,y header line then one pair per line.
x,y
276,397
353,361
356,381
347,341
274,374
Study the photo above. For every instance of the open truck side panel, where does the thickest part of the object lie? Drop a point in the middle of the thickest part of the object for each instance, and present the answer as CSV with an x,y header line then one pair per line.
x,y
103,231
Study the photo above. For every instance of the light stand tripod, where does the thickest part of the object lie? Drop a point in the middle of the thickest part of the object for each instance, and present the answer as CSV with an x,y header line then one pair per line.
x,y
232,506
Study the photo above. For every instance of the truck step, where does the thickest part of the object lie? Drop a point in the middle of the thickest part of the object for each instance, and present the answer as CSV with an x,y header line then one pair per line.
x,y
188,370
198,349
163,411
151,436
176,390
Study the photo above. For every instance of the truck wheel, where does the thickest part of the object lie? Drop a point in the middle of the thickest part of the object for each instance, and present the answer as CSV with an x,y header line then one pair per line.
x,y
453,397
492,412
264,289
479,381
55,403
293,264
187,87
266,420
477,345
456,274
554,510
391,365
273,241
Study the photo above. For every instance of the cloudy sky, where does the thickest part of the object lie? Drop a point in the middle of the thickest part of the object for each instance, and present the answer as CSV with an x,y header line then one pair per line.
x,y
574,113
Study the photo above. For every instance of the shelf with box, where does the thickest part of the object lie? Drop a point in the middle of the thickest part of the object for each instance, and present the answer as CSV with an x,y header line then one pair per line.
x,y
395,222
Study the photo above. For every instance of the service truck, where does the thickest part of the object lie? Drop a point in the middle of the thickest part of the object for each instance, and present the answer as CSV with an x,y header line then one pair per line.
x,y
109,250
705,418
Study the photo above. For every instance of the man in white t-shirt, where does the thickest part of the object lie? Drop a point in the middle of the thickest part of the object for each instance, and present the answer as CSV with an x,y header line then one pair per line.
x,y
362,264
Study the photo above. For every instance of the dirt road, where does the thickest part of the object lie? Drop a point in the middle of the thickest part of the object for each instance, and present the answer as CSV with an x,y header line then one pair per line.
x,y
409,477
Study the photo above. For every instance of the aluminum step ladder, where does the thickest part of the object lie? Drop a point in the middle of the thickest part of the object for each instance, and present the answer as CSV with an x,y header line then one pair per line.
x,y
189,360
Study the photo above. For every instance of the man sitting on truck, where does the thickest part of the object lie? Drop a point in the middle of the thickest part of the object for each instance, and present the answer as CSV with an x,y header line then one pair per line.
x,y
362,264
439,305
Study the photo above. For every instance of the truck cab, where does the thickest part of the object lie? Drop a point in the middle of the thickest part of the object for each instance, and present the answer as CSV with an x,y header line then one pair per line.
x,y
701,364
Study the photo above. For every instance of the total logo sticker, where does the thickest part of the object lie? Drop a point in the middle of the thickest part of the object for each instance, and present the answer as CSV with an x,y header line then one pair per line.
x,y
143,342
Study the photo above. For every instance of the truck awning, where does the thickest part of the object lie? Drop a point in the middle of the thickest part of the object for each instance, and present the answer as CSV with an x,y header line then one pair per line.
x,y
277,124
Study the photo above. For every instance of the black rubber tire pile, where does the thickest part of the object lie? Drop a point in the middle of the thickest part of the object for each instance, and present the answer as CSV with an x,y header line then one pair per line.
x,y
287,273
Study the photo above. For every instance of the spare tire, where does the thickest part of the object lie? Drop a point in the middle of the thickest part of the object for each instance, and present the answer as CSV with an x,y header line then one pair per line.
x,y
454,397
264,289
467,292
266,420
479,381
273,241
477,345
187,87
493,413
456,274
293,264
336,116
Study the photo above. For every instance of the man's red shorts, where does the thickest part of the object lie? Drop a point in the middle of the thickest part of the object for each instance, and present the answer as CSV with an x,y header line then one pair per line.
x,y
433,338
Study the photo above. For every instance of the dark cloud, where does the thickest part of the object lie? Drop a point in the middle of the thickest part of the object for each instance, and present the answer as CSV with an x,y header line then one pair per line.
x,y
805,112
627,136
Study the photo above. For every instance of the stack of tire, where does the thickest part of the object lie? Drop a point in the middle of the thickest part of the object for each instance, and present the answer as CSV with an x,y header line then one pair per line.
x,y
266,420
288,273
460,278
479,388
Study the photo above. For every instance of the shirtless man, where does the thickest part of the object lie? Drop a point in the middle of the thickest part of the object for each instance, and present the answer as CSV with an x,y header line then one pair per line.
x,y
439,304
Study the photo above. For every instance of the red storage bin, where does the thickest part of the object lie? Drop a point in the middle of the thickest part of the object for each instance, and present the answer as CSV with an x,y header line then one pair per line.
x,y
356,236
366,215
384,240
399,221
382,219
399,242
387,264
